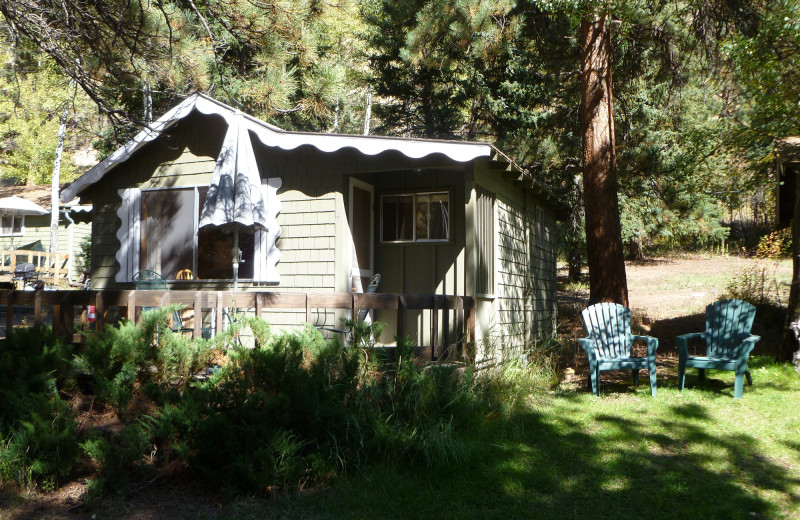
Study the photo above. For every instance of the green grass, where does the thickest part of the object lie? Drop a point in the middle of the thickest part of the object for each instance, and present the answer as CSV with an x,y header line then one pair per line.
x,y
567,454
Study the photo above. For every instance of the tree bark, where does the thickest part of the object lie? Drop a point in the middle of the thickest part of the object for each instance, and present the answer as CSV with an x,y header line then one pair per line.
x,y
56,180
606,258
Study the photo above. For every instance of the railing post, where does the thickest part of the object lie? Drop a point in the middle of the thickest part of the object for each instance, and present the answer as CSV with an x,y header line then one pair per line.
x,y
197,331
132,307
218,306
64,316
446,325
435,328
308,308
460,323
402,315
471,311
37,308
100,312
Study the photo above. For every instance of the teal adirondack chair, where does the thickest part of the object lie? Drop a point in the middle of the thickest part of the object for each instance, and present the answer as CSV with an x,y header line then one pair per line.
x,y
728,343
609,341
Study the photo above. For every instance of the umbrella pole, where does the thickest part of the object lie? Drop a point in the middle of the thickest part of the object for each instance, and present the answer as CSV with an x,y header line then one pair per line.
x,y
236,259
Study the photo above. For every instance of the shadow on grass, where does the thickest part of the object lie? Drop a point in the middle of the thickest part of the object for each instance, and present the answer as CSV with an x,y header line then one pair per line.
x,y
559,464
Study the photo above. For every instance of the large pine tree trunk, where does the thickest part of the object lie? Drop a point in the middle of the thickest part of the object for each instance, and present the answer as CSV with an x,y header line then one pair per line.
x,y
607,281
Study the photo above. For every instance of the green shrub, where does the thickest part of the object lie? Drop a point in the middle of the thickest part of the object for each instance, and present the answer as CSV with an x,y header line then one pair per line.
x,y
147,356
291,410
777,244
36,424
268,417
756,283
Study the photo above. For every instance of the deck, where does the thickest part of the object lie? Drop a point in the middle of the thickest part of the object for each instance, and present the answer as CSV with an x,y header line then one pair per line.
x,y
452,318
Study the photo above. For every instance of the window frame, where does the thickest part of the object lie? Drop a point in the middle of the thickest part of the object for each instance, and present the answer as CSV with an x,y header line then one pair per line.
x,y
195,235
14,220
414,239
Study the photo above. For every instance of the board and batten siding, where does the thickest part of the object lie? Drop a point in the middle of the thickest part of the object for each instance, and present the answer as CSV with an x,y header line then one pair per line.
x,y
522,304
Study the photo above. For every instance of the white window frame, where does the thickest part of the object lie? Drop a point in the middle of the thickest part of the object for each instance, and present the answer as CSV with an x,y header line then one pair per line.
x,y
414,239
265,252
9,232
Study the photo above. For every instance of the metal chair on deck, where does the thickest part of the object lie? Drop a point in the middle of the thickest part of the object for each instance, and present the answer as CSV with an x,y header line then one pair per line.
x,y
147,280
372,287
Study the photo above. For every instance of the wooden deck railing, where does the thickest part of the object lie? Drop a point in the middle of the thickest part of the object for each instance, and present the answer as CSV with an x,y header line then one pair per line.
x,y
64,302
51,266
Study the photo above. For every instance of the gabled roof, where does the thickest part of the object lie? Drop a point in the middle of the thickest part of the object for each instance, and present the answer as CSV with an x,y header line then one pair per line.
x,y
270,135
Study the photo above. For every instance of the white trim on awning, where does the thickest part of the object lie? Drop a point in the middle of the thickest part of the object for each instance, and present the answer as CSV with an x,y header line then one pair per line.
x,y
270,135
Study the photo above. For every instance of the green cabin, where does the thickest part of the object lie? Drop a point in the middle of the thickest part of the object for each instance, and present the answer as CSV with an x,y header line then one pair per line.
x,y
431,216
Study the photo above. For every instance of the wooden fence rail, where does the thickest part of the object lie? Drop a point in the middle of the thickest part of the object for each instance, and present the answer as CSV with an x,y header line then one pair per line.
x,y
51,266
64,302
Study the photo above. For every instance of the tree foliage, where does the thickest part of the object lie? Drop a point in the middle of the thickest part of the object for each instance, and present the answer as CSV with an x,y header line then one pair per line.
x,y
284,60
33,94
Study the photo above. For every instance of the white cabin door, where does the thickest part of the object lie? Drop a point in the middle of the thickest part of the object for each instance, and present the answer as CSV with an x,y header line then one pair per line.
x,y
362,227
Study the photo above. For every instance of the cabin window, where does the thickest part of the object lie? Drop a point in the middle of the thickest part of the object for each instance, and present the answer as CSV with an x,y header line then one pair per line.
x,y
417,217
11,225
173,245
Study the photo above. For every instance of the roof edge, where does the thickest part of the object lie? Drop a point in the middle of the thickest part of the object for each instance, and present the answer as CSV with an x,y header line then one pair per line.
x,y
270,135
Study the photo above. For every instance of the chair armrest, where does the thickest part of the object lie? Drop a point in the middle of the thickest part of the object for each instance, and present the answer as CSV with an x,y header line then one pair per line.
x,y
682,341
652,343
588,345
748,344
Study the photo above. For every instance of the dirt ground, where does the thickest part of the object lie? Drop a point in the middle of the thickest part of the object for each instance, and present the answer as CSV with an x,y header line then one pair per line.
x,y
667,297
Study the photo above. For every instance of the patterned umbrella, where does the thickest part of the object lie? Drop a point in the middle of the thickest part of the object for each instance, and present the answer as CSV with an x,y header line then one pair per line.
x,y
235,198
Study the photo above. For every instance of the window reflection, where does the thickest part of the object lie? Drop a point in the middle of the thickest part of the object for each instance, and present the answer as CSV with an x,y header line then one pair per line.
x,y
429,212
168,243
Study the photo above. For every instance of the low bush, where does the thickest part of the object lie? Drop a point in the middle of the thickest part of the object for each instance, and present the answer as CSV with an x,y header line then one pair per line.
x,y
36,424
757,284
289,411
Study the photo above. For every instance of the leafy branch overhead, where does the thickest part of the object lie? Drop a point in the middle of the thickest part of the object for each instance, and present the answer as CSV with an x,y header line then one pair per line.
x,y
263,57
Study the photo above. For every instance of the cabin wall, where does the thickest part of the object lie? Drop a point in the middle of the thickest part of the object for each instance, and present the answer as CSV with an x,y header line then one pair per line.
x,y
315,241
311,219
421,267
311,215
522,307
37,228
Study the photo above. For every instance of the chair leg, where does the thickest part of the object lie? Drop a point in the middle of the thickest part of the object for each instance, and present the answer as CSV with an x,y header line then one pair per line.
x,y
738,386
653,380
635,377
594,377
701,374
681,374
749,378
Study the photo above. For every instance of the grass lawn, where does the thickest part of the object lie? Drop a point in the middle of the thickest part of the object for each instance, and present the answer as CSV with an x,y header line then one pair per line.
x,y
567,454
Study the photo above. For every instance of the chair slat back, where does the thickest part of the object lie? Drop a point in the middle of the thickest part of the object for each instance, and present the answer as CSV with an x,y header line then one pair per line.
x,y
609,325
727,323
149,281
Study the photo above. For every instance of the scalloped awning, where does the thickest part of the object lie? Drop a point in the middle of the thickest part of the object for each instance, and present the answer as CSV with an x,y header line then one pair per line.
x,y
270,135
